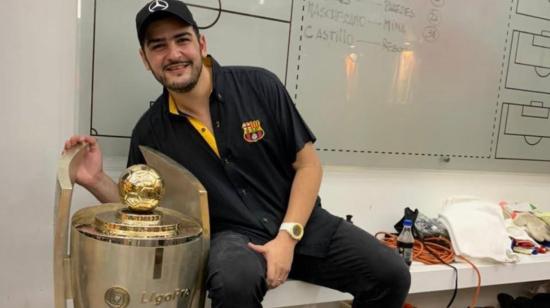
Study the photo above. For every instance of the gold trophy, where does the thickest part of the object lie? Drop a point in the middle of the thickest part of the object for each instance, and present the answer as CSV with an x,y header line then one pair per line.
x,y
133,254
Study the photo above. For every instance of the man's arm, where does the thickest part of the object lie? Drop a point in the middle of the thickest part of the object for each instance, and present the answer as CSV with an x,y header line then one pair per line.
x,y
105,189
305,186
279,252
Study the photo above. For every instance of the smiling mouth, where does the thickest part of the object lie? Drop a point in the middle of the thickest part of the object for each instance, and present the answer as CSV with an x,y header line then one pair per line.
x,y
177,66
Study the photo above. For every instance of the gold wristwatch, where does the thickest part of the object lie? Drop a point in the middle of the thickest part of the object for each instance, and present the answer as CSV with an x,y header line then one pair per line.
x,y
295,229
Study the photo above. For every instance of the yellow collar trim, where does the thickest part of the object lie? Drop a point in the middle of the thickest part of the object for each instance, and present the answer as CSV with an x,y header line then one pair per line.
x,y
198,125
172,106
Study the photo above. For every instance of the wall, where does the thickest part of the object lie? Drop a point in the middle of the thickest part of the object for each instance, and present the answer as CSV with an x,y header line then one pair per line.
x,y
37,98
37,78
376,197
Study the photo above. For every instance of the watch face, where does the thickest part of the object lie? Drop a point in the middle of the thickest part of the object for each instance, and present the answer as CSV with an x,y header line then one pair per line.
x,y
297,230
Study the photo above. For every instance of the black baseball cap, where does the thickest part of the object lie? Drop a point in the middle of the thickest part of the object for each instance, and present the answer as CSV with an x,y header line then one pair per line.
x,y
157,9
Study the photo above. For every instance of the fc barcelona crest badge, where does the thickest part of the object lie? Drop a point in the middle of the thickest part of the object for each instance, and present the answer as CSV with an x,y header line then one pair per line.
x,y
253,131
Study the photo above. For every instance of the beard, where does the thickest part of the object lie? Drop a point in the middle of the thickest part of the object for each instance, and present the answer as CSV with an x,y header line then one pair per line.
x,y
180,86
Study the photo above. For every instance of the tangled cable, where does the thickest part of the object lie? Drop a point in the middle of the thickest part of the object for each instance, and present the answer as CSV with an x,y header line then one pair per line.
x,y
434,250
425,251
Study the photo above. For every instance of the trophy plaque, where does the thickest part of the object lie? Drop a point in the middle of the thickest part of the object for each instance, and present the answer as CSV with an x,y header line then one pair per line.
x,y
149,250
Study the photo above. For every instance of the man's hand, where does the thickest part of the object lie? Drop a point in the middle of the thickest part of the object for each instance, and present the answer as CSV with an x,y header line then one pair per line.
x,y
278,254
89,173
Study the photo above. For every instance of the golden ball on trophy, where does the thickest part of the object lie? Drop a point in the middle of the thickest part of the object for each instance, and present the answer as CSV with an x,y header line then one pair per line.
x,y
141,188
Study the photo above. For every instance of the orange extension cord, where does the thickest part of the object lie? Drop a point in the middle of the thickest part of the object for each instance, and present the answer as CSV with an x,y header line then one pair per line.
x,y
433,250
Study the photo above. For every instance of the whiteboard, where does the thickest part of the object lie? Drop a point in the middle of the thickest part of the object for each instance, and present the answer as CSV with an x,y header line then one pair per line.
x,y
430,84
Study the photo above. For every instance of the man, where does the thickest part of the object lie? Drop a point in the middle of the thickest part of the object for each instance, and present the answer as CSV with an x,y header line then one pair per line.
x,y
237,130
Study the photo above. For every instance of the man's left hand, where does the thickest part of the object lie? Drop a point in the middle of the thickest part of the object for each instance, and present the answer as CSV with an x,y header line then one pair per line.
x,y
278,254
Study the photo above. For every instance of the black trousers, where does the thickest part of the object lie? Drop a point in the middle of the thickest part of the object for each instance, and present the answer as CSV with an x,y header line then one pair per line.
x,y
357,263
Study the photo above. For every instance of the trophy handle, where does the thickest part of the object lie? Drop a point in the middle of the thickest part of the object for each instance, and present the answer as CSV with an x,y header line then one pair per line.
x,y
63,195
185,194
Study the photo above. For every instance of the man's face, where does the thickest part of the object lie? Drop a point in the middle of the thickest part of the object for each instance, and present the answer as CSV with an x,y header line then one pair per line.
x,y
173,53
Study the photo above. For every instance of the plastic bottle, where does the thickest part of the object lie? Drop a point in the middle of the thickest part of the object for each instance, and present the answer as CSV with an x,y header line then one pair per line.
x,y
405,242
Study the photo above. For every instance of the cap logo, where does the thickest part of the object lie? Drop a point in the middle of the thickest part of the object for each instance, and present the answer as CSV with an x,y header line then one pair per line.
x,y
253,131
158,5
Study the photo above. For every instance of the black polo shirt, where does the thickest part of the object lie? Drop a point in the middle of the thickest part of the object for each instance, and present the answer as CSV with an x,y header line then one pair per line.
x,y
258,132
